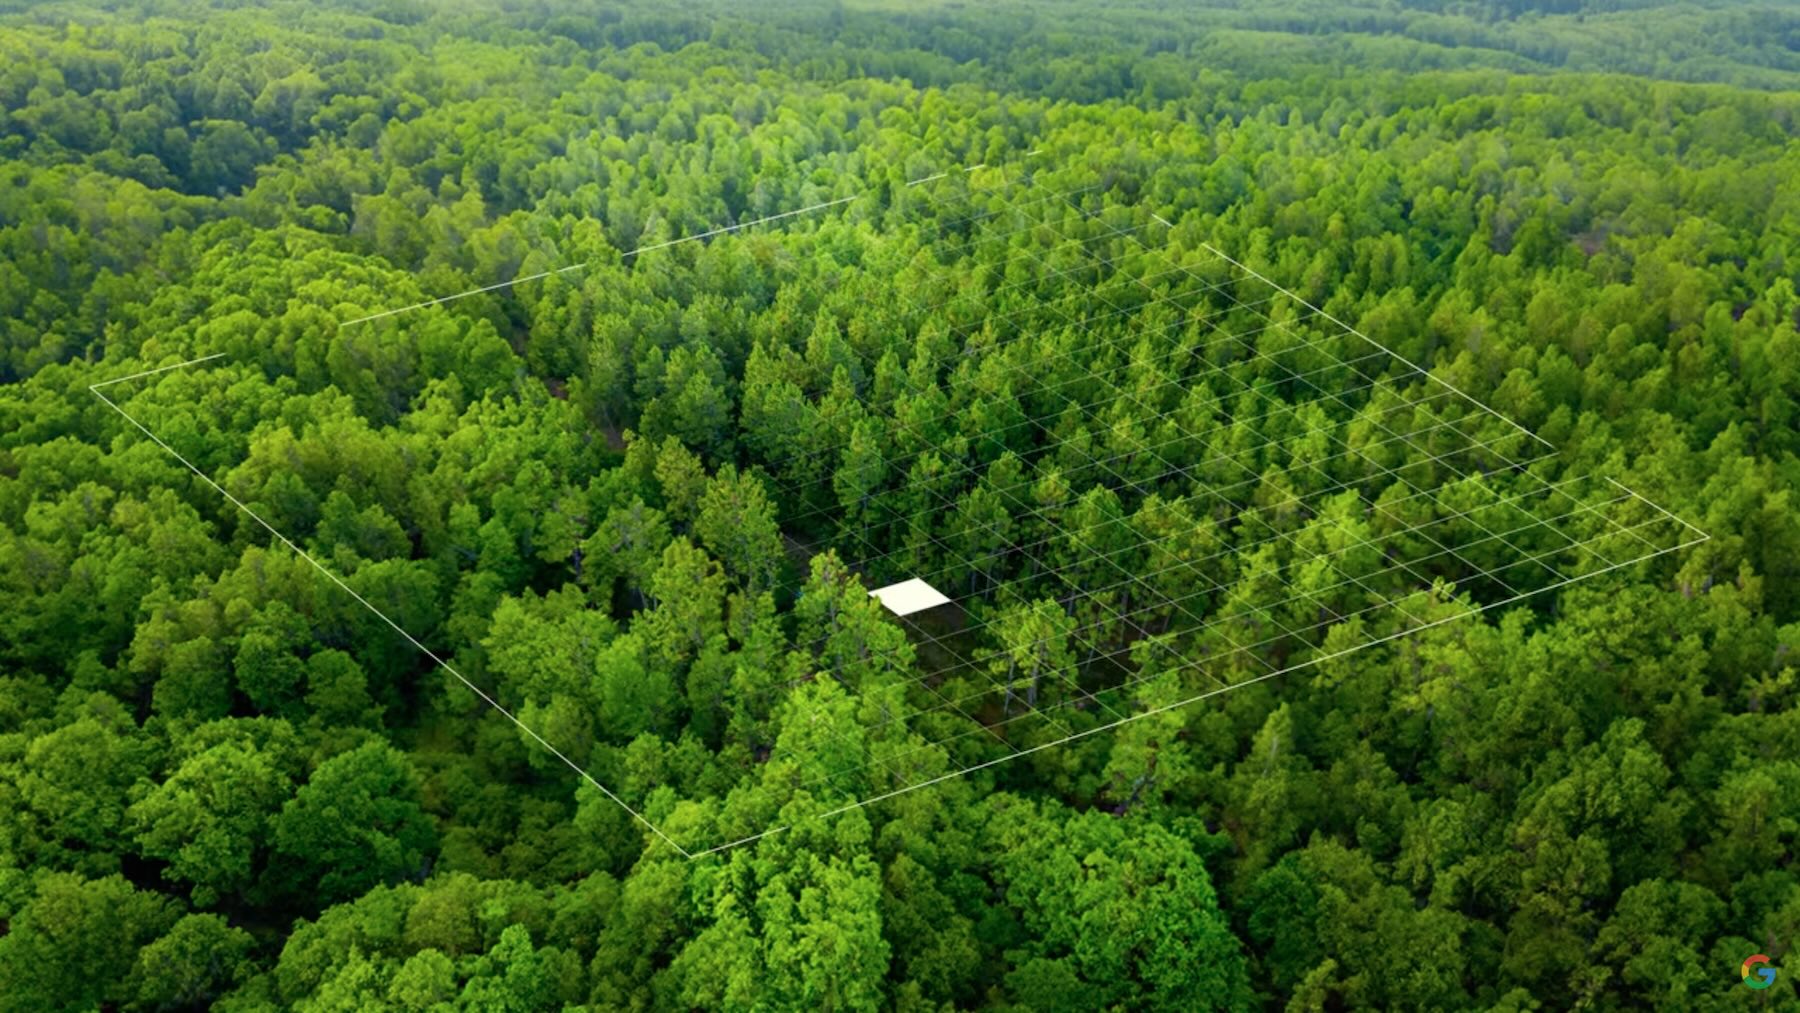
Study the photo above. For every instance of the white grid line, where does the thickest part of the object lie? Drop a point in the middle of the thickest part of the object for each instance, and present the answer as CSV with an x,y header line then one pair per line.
x,y
152,372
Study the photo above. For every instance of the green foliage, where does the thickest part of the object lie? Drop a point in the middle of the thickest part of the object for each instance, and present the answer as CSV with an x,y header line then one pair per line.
x,y
212,818
356,823
628,504
1123,913
200,959
75,940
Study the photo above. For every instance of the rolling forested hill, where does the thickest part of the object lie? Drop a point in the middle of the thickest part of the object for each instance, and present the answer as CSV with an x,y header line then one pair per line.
x,y
1058,309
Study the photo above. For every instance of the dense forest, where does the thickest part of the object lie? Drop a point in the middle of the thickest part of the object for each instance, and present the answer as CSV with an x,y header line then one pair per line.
x,y
466,656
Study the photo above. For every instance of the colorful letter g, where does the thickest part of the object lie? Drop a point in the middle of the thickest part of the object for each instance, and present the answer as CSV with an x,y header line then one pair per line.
x,y
1763,976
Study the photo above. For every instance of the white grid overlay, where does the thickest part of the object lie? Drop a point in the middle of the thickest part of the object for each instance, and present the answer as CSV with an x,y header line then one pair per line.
x,y
1500,523
1133,610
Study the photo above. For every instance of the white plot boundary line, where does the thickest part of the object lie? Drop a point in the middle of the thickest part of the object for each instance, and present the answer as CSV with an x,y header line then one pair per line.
x,y
1702,536
840,810
95,387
